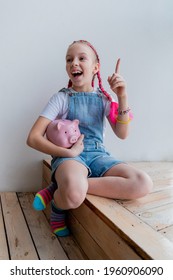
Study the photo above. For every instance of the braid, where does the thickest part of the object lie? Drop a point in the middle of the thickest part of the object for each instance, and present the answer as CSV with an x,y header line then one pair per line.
x,y
69,83
101,87
98,73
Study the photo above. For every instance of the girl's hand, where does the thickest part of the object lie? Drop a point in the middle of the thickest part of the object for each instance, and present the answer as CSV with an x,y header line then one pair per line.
x,y
77,148
116,82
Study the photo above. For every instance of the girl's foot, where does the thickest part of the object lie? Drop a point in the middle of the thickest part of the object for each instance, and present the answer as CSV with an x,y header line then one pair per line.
x,y
43,197
57,221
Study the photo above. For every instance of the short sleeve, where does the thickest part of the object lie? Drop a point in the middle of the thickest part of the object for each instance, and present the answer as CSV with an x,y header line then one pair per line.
x,y
57,106
107,106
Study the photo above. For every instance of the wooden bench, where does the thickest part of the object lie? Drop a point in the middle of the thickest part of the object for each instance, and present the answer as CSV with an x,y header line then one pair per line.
x,y
121,229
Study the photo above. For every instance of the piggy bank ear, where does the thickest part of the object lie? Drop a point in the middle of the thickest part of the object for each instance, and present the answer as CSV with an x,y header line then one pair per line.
x,y
60,124
76,121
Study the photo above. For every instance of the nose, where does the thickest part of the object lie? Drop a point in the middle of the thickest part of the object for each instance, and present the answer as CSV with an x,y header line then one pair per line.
x,y
75,61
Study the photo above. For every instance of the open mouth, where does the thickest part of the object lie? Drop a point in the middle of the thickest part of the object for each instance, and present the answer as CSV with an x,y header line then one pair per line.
x,y
77,73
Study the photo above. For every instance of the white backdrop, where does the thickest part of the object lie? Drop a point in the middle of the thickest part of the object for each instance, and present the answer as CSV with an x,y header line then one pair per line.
x,y
34,37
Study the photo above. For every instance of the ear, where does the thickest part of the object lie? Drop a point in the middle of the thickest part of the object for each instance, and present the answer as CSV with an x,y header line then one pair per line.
x,y
76,121
96,68
60,124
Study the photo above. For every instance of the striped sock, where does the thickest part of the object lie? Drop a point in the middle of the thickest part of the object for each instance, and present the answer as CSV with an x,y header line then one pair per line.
x,y
57,221
43,197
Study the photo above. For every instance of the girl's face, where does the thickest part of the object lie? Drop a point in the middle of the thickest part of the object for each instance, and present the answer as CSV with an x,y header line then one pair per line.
x,y
81,66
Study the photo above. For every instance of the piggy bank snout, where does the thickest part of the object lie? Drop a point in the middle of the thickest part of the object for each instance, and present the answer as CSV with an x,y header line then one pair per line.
x,y
73,139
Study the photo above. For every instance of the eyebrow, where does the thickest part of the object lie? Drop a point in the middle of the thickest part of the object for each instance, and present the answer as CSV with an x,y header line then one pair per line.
x,y
83,53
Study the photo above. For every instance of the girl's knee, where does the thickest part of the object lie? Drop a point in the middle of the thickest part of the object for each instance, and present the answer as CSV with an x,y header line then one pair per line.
x,y
72,183
143,184
74,193
75,198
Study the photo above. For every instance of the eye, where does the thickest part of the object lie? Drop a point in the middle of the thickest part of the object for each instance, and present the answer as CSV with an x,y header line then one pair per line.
x,y
68,60
65,132
82,58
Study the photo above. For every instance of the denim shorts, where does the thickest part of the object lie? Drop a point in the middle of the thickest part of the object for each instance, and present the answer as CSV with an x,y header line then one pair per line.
x,y
96,159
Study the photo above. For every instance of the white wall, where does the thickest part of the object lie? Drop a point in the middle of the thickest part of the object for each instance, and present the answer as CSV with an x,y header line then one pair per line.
x,y
34,37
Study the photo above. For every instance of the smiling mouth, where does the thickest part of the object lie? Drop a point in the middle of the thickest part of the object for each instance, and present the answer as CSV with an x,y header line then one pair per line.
x,y
77,73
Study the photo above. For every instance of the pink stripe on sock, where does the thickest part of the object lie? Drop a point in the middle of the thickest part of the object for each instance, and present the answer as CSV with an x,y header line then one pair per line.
x,y
57,224
45,195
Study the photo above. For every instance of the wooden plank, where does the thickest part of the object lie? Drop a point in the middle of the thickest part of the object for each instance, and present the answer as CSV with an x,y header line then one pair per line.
x,y
72,248
68,243
85,240
168,232
47,162
19,240
152,200
160,172
3,242
48,246
101,235
132,229
158,217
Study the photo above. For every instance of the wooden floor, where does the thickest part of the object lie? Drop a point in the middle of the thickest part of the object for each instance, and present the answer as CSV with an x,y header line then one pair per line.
x,y
101,228
25,233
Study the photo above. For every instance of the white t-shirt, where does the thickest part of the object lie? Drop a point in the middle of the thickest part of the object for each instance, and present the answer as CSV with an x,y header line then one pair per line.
x,y
57,107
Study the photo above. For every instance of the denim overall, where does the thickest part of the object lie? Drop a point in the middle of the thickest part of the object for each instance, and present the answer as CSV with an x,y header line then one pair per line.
x,y
88,109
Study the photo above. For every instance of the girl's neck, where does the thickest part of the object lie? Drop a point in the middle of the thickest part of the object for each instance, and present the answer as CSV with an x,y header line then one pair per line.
x,y
83,89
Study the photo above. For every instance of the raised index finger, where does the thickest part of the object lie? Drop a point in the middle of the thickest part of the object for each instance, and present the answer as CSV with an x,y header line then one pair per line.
x,y
117,67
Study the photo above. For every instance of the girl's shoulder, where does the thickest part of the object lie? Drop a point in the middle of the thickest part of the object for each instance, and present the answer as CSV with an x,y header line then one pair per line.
x,y
106,102
64,90
100,92
57,105
60,95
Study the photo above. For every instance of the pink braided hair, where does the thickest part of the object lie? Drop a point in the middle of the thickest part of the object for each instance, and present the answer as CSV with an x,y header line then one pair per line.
x,y
98,73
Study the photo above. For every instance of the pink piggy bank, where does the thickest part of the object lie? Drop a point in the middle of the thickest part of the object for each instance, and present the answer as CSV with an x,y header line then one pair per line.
x,y
63,133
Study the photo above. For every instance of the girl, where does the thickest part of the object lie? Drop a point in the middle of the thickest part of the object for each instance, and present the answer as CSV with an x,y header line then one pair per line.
x,y
86,167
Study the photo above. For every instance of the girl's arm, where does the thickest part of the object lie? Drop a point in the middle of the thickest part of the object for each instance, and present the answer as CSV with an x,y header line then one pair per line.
x,y
118,86
37,140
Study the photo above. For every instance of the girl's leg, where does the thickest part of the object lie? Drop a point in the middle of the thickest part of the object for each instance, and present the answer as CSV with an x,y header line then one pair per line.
x,y
71,177
122,181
